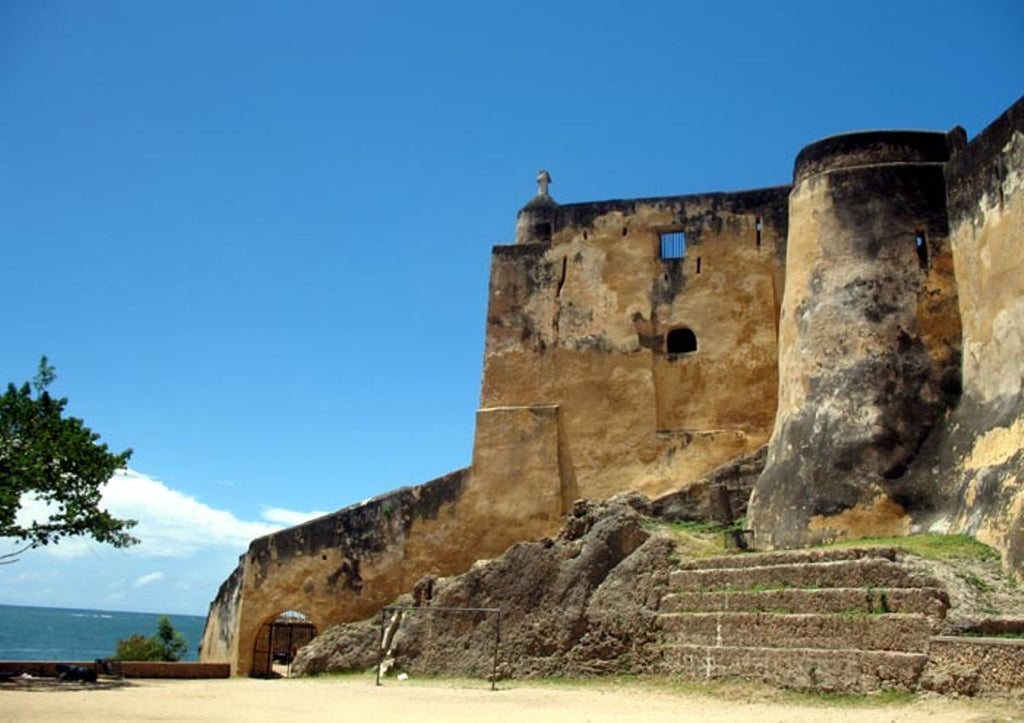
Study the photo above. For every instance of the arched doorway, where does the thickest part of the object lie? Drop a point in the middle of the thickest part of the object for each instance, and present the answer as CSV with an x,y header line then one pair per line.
x,y
277,642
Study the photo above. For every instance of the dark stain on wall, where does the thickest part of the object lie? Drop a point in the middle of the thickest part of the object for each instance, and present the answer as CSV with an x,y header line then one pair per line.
x,y
870,148
771,204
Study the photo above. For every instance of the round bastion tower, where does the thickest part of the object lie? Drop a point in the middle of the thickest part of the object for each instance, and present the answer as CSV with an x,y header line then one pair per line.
x,y
869,338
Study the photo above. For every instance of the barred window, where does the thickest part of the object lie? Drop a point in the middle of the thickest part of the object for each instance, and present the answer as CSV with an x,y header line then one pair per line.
x,y
673,245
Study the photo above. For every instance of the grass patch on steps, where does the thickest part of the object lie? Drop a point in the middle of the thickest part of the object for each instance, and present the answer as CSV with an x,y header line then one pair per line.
x,y
693,540
930,546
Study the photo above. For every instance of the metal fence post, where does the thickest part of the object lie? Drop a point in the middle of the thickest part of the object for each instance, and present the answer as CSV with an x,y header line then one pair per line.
x,y
380,653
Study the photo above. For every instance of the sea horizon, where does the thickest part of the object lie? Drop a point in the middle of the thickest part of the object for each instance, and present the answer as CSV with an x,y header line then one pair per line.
x,y
33,632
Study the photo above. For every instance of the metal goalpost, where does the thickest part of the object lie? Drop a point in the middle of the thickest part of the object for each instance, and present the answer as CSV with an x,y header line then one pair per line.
x,y
388,609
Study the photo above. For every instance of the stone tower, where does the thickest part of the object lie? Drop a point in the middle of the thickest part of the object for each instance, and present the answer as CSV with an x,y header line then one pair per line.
x,y
869,337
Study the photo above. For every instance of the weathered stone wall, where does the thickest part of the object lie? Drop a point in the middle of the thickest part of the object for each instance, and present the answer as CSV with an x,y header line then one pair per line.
x,y
721,496
974,667
338,567
221,631
869,337
975,464
580,309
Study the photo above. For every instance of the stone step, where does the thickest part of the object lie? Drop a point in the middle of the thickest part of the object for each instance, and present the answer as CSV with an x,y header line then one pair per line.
x,y
925,600
899,632
874,572
973,666
845,671
789,557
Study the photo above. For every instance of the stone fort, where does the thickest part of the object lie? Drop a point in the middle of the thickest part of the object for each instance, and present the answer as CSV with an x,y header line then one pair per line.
x,y
836,358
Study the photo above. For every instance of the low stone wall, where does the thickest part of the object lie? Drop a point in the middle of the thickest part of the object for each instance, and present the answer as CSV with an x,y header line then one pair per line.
x,y
720,496
837,671
900,632
127,668
973,666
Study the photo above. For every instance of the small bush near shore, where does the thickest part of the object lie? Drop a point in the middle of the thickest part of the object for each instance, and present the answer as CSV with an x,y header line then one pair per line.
x,y
166,645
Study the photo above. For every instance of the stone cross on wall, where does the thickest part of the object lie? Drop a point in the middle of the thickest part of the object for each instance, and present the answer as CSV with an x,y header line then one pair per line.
x,y
543,181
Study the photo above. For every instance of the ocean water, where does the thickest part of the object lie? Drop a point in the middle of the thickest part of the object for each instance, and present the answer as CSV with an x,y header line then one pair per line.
x,y
31,633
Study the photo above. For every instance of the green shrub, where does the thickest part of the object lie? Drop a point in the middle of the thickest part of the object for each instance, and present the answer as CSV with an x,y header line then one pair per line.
x,y
167,644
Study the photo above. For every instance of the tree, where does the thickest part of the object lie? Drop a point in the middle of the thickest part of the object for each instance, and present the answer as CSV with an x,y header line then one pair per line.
x,y
56,460
166,645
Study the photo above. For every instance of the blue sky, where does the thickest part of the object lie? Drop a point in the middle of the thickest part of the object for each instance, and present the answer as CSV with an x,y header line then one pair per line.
x,y
254,236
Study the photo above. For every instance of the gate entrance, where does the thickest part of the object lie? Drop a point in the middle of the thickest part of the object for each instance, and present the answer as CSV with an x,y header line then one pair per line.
x,y
277,642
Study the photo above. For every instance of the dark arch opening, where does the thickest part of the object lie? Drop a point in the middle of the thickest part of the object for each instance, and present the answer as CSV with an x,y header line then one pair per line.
x,y
681,341
276,643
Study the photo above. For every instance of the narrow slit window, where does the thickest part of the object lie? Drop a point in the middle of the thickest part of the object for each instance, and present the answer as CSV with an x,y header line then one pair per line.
x,y
681,341
757,228
922,250
673,245
698,264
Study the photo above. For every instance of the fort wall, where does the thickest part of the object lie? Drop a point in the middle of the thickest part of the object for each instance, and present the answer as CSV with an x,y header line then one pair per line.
x,y
343,566
581,313
867,324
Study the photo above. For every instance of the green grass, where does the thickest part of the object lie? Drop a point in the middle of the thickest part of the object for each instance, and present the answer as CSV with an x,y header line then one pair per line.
x,y
850,700
761,587
725,689
1008,635
698,540
930,546
974,581
342,675
700,528
692,540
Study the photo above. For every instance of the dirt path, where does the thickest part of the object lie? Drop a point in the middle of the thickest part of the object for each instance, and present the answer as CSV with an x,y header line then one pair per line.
x,y
332,699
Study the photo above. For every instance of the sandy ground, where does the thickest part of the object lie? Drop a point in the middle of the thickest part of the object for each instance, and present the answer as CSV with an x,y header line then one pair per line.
x,y
332,699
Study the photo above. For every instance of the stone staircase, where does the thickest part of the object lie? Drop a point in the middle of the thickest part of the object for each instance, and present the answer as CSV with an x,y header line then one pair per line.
x,y
849,620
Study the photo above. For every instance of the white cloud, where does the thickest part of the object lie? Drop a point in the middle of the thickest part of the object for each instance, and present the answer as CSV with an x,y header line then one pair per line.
x,y
33,578
170,523
147,579
173,524
288,518
193,546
